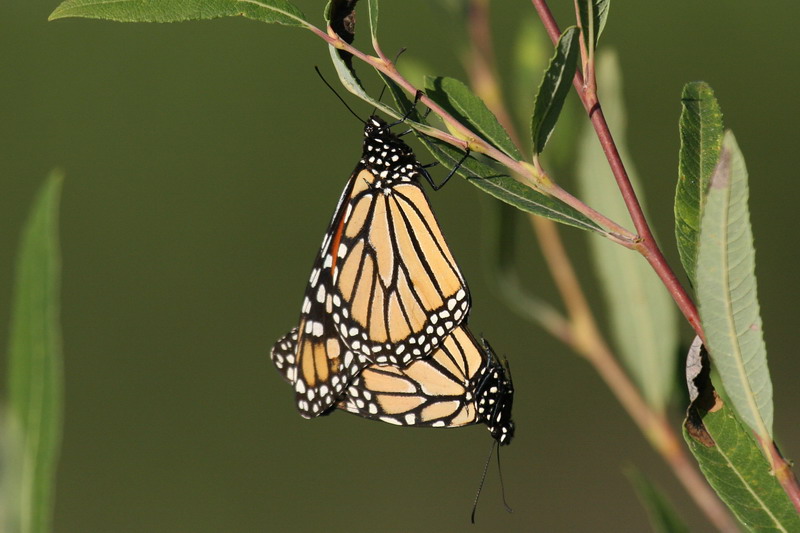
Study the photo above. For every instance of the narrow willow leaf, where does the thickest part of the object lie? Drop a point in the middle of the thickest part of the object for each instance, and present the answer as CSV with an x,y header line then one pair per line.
x,y
531,55
458,100
701,142
508,189
641,313
272,11
729,457
554,88
593,15
35,382
486,178
373,20
726,292
662,514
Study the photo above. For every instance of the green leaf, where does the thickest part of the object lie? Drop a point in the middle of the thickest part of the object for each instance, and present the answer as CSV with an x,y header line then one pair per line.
x,y
486,178
457,99
662,514
554,88
726,292
531,56
593,15
729,457
506,188
272,11
373,20
35,381
701,142
641,312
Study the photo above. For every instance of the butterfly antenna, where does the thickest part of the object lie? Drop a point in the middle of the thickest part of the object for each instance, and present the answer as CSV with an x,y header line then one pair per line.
x,y
339,96
502,485
483,478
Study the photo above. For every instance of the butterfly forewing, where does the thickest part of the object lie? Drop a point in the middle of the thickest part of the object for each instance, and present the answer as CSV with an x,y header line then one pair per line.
x,y
398,290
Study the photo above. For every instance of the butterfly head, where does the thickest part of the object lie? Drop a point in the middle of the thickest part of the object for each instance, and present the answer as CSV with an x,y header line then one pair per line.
x,y
495,397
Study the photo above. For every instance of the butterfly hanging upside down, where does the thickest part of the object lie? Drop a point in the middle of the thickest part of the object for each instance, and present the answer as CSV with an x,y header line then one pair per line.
x,y
384,294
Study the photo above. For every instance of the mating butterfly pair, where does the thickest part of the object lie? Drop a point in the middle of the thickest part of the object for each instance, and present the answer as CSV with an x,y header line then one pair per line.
x,y
382,330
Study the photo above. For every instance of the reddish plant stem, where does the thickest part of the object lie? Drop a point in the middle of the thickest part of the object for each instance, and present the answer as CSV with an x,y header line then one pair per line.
x,y
528,174
580,330
587,341
783,472
647,245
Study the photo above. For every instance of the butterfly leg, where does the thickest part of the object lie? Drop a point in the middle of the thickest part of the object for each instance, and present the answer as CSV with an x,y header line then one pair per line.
x,y
429,179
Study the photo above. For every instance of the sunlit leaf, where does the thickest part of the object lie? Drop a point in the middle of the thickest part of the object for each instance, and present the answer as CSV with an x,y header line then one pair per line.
x,y
373,19
726,292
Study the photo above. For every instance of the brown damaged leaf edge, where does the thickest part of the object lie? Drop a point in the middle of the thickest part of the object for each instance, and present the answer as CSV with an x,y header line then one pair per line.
x,y
704,399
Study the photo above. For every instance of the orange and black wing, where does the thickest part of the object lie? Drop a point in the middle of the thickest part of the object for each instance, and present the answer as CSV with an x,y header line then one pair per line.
x,y
460,384
398,290
318,367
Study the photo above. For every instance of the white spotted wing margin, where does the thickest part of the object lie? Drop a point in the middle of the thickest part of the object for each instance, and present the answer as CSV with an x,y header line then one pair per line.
x,y
331,374
460,384
398,292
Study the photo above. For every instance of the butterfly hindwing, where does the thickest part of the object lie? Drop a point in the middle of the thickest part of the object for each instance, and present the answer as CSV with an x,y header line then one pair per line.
x,y
460,384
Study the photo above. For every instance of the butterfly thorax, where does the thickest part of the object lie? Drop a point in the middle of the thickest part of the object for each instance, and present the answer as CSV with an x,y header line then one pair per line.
x,y
385,155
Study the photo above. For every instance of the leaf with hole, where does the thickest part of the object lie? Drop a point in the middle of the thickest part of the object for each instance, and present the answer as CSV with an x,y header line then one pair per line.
x,y
729,457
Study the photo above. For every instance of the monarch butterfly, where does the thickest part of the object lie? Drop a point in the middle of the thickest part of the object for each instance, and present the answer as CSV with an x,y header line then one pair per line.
x,y
384,287
461,383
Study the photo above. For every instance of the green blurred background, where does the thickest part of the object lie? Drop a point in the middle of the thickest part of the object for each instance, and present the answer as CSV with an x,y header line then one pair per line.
x,y
203,161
